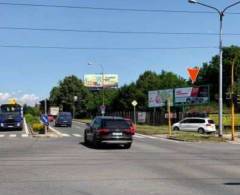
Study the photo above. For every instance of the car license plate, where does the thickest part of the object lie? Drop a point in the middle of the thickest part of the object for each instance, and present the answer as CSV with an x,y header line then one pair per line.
x,y
117,134
10,126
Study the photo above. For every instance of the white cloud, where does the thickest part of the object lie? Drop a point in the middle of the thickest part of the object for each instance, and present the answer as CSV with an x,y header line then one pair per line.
x,y
4,96
29,99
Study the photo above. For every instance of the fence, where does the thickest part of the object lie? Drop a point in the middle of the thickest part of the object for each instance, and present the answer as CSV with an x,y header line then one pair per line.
x,y
152,118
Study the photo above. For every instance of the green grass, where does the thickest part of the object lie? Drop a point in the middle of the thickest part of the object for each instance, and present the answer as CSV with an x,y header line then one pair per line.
x,y
177,135
196,137
152,130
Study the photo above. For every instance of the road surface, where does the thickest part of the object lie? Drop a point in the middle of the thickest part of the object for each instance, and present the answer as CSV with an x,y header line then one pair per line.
x,y
65,166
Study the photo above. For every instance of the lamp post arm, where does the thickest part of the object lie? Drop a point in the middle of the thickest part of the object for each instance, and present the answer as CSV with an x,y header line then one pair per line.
x,y
209,6
238,2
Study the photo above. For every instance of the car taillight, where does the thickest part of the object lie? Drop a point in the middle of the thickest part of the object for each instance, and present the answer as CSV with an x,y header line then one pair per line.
x,y
103,131
131,130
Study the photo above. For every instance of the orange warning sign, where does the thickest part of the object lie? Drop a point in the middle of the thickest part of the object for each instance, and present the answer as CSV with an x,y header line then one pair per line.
x,y
193,73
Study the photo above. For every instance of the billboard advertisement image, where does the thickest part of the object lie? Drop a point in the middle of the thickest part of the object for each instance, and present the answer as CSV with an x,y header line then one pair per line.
x,y
158,98
95,81
192,95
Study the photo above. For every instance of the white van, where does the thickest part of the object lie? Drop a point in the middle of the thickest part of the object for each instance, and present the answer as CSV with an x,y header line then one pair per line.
x,y
201,125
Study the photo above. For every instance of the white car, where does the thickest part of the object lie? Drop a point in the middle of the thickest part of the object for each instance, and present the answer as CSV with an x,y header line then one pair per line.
x,y
198,124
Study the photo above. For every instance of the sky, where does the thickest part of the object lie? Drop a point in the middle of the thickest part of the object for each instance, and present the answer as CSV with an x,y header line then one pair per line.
x,y
29,74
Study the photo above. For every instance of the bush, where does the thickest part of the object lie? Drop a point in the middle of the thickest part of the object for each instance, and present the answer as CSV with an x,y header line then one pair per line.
x,y
38,127
226,119
30,119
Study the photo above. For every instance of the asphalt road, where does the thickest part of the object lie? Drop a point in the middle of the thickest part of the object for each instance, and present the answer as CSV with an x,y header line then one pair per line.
x,y
64,166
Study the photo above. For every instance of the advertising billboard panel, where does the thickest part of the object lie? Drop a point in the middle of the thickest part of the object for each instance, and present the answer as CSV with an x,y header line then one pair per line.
x,y
192,95
158,98
95,80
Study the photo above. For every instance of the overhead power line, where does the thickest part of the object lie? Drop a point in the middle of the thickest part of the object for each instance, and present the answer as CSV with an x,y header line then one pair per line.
x,y
112,8
106,8
112,31
104,48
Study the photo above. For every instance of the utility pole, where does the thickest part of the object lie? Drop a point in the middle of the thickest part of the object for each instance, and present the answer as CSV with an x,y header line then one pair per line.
x,y
232,99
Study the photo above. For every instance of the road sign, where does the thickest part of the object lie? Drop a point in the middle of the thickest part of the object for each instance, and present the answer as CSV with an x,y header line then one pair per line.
x,y
134,103
44,119
193,73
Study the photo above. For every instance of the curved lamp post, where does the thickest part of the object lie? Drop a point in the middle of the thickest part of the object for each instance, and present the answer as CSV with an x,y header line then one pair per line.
x,y
221,15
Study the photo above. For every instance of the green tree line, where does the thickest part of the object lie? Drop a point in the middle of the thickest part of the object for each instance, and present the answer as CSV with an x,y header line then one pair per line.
x,y
120,99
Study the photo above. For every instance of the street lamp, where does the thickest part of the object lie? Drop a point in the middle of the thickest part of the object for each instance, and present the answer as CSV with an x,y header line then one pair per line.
x,y
221,15
103,99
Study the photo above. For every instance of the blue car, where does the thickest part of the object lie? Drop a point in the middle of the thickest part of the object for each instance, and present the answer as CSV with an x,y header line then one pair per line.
x,y
64,119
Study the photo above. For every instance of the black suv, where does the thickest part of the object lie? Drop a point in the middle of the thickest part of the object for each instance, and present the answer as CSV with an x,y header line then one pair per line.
x,y
109,130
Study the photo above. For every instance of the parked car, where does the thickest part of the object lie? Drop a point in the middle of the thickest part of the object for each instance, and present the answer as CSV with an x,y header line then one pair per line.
x,y
109,130
201,125
64,119
50,118
132,125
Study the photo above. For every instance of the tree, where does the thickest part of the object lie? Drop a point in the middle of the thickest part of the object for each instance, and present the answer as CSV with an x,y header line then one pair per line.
x,y
209,73
64,93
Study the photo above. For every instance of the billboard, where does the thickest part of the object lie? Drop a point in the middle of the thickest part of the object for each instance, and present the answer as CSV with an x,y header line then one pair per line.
x,y
192,95
158,98
95,80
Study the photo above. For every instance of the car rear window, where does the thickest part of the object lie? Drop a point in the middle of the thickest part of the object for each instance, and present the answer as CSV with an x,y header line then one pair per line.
x,y
113,123
63,117
210,121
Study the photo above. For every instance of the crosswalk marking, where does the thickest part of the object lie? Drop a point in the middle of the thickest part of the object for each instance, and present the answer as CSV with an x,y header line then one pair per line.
x,y
76,135
13,135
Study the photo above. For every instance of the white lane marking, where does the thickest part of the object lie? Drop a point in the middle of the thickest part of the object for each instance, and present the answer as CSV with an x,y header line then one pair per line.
x,y
77,127
65,135
25,126
138,136
24,135
55,131
12,135
2,135
76,135
145,136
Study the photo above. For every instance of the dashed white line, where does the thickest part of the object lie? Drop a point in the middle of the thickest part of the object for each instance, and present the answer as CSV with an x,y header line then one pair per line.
x,y
24,135
65,135
12,135
76,135
2,135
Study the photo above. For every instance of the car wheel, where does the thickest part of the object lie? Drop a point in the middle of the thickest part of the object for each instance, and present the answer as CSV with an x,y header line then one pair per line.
x,y
176,129
201,131
95,142
127,146
85,138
